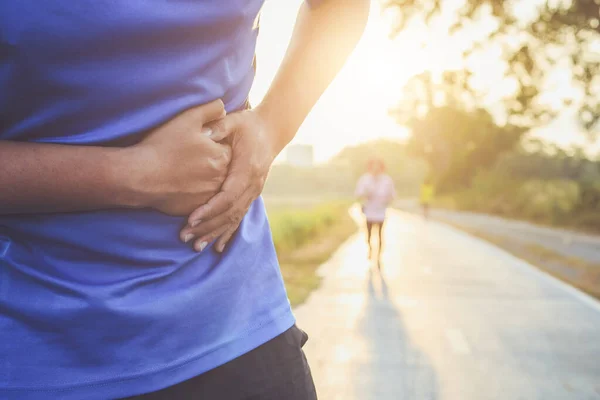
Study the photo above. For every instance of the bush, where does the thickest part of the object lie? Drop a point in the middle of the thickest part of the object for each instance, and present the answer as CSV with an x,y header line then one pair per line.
x,y
544,201
587,221
294,227
305,237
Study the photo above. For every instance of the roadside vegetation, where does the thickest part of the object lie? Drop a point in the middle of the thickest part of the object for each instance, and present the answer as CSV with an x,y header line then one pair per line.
x,y
306,235
548,186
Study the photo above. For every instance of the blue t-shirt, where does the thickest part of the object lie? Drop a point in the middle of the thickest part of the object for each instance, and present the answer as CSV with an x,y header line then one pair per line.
x,y
111,303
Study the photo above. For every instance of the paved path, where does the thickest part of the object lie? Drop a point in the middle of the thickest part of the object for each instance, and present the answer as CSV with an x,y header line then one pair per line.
x,y
451,318
565,242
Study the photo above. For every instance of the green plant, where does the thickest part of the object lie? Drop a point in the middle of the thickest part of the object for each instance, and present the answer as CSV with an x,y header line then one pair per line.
x,y
304,239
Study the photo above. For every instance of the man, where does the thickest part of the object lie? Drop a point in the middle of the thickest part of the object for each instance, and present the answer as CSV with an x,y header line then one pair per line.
x,y
126,153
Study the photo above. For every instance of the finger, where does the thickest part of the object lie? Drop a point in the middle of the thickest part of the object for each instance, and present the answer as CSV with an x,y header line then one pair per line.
x,y
196,117
211,111
221,129
208,225
234,187
226,236
224,239
218,156
212,229
202,243
205,228
219,204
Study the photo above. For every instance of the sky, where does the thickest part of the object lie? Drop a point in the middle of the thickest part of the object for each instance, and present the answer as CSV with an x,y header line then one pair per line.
x,y
354,109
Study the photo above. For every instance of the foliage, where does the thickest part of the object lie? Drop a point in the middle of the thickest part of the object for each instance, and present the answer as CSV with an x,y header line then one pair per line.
x,y
545,201
294,227
536,159
546,186
457,144
554,163
305,238
533,38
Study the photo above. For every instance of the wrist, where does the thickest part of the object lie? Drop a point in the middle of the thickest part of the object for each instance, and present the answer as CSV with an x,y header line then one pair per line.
x,y
277,127
127,175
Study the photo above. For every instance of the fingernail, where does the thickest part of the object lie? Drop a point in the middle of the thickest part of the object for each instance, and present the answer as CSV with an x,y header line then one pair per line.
x,y
188,237
201,246
195,223
207,131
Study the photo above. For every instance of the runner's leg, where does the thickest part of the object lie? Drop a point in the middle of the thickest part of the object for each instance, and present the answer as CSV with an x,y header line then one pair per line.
x,y
380,248
369,231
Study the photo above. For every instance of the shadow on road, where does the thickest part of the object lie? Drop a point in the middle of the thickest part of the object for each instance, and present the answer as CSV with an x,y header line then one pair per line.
x,y
394,368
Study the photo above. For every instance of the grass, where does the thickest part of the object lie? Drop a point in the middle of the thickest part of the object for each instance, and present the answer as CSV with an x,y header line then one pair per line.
x,y
575,271
305,237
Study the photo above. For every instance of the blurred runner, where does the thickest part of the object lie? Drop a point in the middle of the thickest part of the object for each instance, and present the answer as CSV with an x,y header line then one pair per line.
x,y
426,196
376,191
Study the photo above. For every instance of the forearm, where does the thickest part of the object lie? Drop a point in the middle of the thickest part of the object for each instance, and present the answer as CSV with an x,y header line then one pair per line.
x,y
58,178
323,38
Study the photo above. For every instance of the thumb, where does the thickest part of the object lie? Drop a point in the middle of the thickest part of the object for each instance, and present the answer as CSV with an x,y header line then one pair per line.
x,y
221,129
210,111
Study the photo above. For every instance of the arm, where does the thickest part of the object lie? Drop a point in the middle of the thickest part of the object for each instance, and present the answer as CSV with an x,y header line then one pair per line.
x,y
323,38
37,177
53,178
324,35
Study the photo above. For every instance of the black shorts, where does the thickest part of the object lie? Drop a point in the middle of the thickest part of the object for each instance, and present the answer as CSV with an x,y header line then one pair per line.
x,y
276,370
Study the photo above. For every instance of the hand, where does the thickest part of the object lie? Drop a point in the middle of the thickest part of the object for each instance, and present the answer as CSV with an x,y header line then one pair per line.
x,y
253,152
180,164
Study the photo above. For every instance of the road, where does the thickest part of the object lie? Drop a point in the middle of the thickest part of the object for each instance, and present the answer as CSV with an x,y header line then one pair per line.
x,y
451,317
565,242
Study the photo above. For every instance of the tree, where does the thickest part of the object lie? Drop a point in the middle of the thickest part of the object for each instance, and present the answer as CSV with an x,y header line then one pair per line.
x,y
457,144
535,37
543,161
406,171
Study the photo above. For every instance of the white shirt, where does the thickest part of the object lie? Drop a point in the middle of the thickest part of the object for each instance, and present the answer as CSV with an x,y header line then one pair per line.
x,y
379,191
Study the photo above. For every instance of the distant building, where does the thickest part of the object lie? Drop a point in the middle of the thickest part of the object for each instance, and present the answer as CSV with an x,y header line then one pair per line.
x,y
300,155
